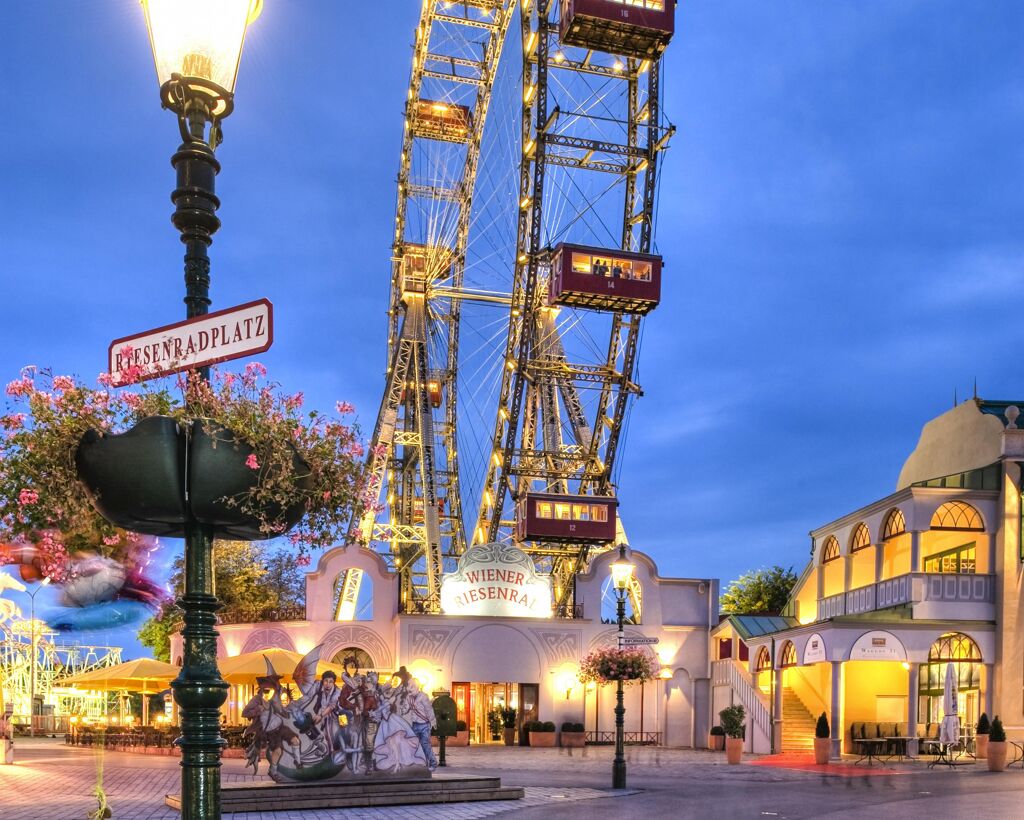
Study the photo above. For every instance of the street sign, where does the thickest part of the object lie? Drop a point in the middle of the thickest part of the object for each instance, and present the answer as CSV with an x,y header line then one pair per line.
x,y
216,337
633,640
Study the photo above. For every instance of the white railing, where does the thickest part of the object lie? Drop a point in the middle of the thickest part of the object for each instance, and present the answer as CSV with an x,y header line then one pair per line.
x,y
911,588
729,673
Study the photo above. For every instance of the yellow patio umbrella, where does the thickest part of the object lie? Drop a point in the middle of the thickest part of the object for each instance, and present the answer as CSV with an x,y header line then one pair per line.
x,y
144,675
245,668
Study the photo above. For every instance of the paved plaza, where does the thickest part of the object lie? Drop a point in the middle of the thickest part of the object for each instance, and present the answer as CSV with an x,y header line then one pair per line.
x,y
54,782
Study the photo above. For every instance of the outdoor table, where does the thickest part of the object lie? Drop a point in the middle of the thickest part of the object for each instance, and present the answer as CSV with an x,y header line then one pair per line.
x,y
900,745
947,754
870,747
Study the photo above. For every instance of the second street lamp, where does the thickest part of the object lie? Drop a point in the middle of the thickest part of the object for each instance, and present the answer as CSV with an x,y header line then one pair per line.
x,y
197,45
622,577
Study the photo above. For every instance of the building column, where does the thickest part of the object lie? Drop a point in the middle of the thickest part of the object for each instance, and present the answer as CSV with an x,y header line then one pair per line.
x,y
913,679
836,717
915,551
991,553
990,680
820,569
879,560
777,713
847,572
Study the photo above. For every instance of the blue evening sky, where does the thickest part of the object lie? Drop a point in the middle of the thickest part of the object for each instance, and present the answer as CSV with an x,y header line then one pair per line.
x,y
840,212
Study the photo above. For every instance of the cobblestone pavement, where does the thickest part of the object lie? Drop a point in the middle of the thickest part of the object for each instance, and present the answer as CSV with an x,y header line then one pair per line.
x,y
54,782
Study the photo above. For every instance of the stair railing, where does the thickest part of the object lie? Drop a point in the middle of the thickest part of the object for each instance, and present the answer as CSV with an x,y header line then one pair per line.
x,y
728,673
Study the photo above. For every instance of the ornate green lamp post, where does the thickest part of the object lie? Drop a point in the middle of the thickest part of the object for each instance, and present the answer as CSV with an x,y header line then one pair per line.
x,y
622,575
197,45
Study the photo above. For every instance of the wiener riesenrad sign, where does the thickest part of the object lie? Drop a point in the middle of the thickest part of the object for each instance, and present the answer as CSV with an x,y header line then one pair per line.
x,y
496,580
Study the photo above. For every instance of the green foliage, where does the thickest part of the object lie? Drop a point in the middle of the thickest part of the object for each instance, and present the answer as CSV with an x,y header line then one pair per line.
x,y
494,723
997,734
732,719
251,584
983,725
572,727
760,592
821,728
718,731
460,726
508,718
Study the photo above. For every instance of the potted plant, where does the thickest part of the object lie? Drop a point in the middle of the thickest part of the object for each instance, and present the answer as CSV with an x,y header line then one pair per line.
x,y
573,736
822,741
981,737
731,719
508,722
542,733
461,737
86,464
494,724
716,739
996,746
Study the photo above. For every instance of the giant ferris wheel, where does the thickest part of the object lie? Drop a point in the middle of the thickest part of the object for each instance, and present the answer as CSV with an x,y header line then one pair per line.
x,y
522,266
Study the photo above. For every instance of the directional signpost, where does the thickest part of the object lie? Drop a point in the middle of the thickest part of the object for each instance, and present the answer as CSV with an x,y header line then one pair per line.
x,y
635,640
214,337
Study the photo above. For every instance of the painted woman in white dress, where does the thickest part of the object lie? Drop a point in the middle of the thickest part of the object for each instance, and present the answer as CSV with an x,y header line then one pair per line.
x,y
397,746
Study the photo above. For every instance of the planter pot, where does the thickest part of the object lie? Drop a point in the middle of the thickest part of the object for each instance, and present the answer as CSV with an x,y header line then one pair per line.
x,y
460,739
544,740
217,472
509,733
822,750
981,746
136,479
733,750
573,740
716,743
996,756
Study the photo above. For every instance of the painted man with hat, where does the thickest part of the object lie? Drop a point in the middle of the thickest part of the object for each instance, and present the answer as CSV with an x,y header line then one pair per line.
x,y
269,729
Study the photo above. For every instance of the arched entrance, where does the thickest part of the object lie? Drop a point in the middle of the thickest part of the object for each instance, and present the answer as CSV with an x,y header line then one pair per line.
x,y
363,658
679,709
961,651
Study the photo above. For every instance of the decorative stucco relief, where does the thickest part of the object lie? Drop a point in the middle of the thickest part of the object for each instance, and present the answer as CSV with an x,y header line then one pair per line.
x,y
560,645
267,639
342,637
432,641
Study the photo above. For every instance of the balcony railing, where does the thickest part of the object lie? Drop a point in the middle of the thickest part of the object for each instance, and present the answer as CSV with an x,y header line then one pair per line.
x,y
912,588
294,612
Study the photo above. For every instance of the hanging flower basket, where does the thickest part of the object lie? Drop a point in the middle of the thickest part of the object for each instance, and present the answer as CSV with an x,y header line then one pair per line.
x,y
611,665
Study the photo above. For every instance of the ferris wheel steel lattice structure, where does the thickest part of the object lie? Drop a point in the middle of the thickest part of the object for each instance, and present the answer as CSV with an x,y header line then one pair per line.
x,y
543,276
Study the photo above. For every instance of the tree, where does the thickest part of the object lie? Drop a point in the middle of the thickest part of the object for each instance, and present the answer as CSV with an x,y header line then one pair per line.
x,y
250,584
760,592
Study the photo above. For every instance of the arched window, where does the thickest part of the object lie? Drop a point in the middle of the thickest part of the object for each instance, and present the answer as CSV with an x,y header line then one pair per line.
x,y
764,659
830,552
956,515
363,659
861,538
895,524
788,655
353,596
954,646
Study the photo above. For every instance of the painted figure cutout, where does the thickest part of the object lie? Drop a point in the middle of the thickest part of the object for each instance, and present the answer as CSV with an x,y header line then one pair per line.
x,y
352,727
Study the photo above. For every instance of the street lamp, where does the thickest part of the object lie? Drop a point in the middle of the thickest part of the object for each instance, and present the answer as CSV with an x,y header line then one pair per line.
x,y
197,46
35,657
622,576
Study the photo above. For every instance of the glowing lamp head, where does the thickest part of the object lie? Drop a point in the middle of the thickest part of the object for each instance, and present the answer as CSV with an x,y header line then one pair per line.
x,y
622,570
200,40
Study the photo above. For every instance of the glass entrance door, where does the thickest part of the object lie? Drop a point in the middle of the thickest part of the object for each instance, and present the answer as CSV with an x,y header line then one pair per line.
x,y
488,699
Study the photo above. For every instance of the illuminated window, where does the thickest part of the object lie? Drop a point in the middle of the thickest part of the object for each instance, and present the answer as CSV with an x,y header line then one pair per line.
x,y
956,515
642,271
895,524
954,646
599,512
580,512
860,539
544,509
363,659
563,512
653,5
764,659
601,266
961,559
581,263
830,552
788,655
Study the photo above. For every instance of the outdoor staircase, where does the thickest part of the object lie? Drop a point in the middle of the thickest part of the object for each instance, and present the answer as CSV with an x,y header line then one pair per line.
x,y
797,723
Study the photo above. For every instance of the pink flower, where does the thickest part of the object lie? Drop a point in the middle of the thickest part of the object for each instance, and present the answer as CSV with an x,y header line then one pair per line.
x,y
26,497
111,540
344,408
20,387
63,383
294,402
133,400
302,561
251,462
105,379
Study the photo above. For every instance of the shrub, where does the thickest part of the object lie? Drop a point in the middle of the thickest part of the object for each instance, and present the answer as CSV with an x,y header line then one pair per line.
x,y
572,727
821,729
494,722
718,731
983,725
547,726
460,726
508,718
997,734
732,718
